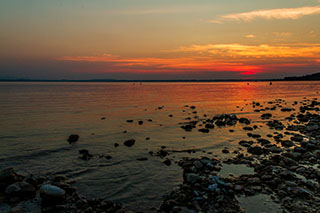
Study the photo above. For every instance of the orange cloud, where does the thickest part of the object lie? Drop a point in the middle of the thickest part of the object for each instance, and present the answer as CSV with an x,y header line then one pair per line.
x,y
256,51
282,13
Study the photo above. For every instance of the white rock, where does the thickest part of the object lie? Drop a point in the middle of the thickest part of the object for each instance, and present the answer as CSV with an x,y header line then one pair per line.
x,y
48,190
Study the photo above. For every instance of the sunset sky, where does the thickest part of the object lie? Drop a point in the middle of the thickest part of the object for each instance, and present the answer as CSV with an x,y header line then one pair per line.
x,y
159,39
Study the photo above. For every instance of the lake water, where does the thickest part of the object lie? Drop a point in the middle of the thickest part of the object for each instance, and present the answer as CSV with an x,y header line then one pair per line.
x,y
37,118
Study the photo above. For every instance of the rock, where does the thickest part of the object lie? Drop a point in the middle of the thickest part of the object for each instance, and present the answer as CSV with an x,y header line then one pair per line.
x,y
299,149
204,130
85,154
73,138
8,176
238,187
256,150
286,109
266,116
167,162
311,146
254,180
294,155
247,128
312,128
225,151
255,135
244,120
140,122
187,127
198,164
287,143
297,138
275,149
263,142
209,126
162,153
191,178
129,143
129,121
245,143
51,194
21,189
142,159
116,144
108,157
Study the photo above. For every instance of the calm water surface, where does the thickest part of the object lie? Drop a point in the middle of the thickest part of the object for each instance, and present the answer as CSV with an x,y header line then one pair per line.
x,y
37,118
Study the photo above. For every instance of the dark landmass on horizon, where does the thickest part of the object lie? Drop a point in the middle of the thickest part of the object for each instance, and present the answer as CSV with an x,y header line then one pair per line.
x,y
311,77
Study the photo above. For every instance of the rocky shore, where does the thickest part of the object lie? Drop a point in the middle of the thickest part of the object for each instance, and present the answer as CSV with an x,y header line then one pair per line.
x,y
285,162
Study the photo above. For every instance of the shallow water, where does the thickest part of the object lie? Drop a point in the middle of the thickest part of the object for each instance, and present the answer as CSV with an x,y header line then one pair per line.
x,y
37,118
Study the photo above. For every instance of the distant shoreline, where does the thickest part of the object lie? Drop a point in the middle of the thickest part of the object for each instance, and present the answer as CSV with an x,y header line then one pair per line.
x,y
157,81
311,77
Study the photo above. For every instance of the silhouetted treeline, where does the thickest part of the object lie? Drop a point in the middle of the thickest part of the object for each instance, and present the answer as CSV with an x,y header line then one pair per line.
x,y
312,77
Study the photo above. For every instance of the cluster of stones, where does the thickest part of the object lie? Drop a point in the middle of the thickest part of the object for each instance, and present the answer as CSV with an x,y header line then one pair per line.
x,y
202,190
219,120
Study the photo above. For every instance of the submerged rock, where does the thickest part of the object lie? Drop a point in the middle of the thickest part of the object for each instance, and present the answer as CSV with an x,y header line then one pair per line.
x,y
204,130
266,116
73,138
167,162
245,143
244,121
142,159
85,154
129,143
